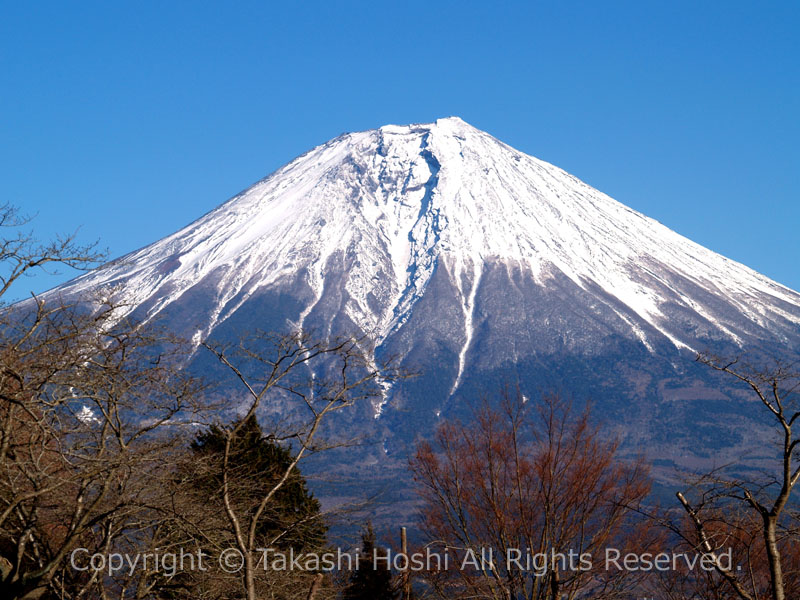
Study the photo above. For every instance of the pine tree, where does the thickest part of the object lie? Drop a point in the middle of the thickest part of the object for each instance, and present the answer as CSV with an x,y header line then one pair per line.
x,y
291,521
369,582
257,463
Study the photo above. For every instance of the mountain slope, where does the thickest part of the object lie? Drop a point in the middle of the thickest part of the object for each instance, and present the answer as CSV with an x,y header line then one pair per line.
x,y
398,199
472,262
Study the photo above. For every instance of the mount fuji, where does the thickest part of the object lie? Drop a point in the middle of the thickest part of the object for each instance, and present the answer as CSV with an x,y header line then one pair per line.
x,y
474,264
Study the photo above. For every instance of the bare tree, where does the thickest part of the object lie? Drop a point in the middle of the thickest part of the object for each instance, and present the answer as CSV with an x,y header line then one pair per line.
x,y
21,254
538,481
91,410
97,413
754,515
310,381
91,407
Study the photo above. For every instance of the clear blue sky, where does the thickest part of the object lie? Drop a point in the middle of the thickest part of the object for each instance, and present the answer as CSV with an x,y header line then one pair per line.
x,y
129,121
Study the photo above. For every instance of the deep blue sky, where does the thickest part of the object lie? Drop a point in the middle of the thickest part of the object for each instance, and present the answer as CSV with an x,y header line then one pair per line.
x,y
128,122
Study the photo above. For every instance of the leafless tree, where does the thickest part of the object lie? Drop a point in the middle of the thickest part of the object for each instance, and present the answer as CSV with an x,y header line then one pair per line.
x,y
310,381
753,515
97,414
91,407
536,479
22,255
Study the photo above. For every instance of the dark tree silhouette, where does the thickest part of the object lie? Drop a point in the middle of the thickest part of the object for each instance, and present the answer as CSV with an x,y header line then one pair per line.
x,y
293,519
373,579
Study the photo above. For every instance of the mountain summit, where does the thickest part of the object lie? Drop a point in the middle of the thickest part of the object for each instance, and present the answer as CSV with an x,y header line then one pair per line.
x,y
464,257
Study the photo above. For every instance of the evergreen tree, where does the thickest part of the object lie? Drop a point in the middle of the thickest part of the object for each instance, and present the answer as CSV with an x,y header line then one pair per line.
x,y
369,582
291,520
257,463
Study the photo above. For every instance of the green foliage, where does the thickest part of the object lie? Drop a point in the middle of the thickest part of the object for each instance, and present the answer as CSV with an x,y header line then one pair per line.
x,y
256,464
368,582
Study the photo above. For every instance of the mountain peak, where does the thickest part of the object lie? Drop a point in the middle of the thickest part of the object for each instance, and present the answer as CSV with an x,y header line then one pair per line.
x,y
446,125
361,227
454,123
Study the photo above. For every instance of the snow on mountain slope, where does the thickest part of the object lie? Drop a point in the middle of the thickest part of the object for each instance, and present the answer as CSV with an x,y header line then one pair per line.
x,y
383,209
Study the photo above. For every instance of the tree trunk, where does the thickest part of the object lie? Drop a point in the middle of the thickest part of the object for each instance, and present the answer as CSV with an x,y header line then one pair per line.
x,y
554,585
249,578
774,557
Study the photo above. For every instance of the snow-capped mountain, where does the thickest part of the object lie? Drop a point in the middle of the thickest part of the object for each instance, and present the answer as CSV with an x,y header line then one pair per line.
x,y
466,258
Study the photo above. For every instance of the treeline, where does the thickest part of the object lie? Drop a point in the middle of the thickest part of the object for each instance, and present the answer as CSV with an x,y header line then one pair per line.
x,y
119,480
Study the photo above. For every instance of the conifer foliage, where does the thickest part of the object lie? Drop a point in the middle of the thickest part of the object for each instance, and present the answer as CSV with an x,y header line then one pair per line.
x,y
373,579
293,519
